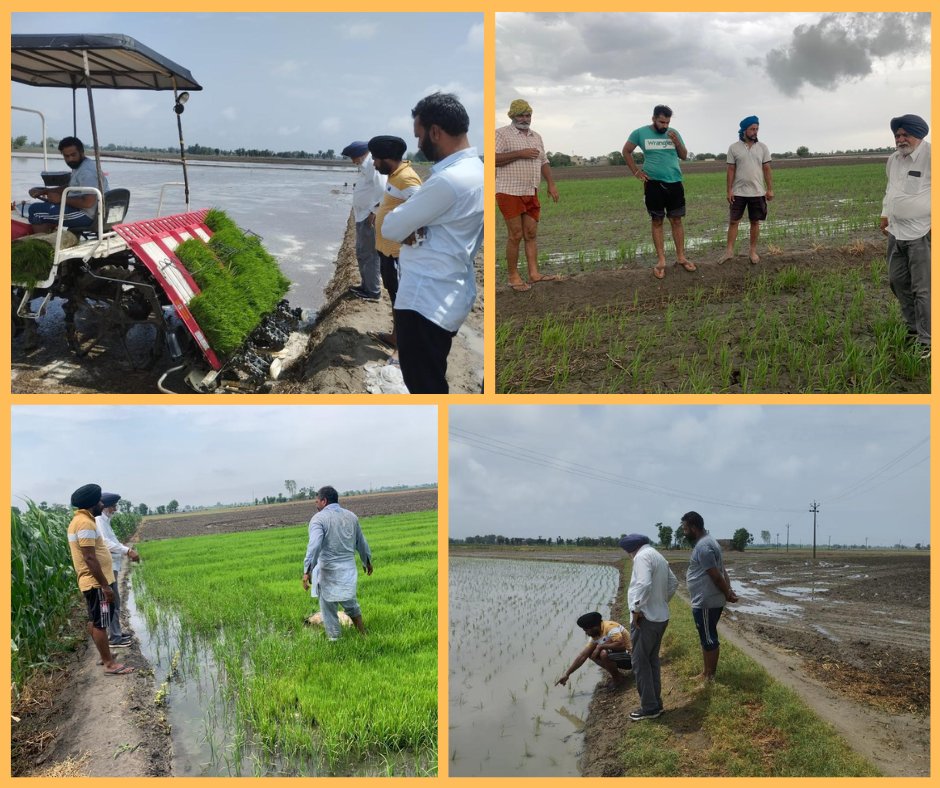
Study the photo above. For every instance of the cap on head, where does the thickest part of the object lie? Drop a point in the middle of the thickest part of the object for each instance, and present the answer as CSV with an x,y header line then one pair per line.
x,y
633,542
110,499
914,125
86,496
355,149
387,147
590,620
519,107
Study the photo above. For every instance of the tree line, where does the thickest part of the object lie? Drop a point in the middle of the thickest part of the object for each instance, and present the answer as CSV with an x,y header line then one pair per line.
x,y
615,158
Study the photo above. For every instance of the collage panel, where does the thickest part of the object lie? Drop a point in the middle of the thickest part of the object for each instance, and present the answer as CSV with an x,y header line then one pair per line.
x,y
624,260
689,591
297,212
220,591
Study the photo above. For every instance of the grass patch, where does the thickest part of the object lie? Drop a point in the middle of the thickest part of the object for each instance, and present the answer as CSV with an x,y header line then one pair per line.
x,y
798,330
744,725
296,697
240,282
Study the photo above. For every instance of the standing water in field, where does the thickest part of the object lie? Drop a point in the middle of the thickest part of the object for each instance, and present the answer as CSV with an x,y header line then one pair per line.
x,y
513,632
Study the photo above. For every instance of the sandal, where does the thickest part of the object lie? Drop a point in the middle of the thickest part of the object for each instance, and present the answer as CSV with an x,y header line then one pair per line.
x,y
120,670
690,267
520,287
545,278
659,271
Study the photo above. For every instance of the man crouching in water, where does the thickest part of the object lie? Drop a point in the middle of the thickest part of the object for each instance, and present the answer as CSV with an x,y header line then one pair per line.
x,y
608,639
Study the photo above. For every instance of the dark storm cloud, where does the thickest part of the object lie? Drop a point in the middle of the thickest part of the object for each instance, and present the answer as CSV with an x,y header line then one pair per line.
x,y
546,48
843,47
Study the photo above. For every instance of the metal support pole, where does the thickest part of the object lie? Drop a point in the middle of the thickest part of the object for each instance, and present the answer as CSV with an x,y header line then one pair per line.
x,y
814,510
179,126
94,126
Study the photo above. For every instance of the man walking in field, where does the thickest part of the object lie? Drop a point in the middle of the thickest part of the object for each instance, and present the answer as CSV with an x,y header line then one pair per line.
x,y
116,638
334,539
92,563
521,164
606,647
750,185
709,589
661,175
367,193
402,183
905,219
441,230
652,585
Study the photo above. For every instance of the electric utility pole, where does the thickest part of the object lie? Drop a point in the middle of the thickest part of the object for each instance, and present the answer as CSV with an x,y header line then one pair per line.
x,y
788,537
814,510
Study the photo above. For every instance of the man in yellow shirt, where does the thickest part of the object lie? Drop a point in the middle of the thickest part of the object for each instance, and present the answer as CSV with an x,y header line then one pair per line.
x,y
607,648
402,182
92,561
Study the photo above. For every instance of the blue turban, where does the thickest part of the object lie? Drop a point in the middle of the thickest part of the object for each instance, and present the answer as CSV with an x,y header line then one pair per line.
x,y
356,148
750,120
633,542
914,125
109,499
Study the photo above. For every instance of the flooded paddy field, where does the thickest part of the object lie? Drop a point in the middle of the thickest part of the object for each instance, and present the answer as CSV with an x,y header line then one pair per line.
x,y
512,633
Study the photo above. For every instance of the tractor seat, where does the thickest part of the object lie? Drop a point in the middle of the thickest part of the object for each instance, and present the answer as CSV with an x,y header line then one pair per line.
x,y
116,203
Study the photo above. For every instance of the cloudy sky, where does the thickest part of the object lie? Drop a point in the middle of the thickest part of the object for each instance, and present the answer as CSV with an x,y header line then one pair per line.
x,y
827,81
280,81
201,455
608,470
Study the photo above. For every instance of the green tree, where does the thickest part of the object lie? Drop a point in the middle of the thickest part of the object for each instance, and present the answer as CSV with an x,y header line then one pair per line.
x,y
665,534
291,486
559,159
721,157
615,158
173,506
143,510
765,537
802,151
19,142
741,539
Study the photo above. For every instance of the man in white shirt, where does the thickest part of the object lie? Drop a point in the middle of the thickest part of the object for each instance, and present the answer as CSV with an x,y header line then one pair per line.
x,y
334,539
905,219
116,637
368,191
441,230
652,585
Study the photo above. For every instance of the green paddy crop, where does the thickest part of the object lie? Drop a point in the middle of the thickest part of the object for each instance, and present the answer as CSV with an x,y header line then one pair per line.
x,y
602,223
308,706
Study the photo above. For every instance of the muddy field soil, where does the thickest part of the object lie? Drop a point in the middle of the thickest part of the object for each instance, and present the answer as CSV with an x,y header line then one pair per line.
x,y
859,622
254,518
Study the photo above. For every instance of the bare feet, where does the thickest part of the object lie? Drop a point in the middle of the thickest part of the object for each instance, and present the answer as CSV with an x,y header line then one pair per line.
x,y
754,258
725,258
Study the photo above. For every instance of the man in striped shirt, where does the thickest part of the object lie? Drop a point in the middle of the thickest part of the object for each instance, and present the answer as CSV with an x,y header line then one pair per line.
x,y
521,164
606,648
92,561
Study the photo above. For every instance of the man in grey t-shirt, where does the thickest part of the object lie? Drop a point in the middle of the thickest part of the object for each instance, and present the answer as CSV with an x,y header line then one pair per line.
x,y
709,588
750,185
80,209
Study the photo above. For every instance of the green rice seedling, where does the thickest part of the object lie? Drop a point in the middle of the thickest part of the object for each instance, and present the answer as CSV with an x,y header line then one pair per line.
x,y
30,261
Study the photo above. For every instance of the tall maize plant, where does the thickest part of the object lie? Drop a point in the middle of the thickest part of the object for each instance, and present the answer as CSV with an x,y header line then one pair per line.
x,y
43,586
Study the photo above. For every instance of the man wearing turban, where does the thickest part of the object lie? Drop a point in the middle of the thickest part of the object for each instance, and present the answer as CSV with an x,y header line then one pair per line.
x,y
92,562
750,185
606,648
388,155
905,219
521,164
367,194
652,585
663,192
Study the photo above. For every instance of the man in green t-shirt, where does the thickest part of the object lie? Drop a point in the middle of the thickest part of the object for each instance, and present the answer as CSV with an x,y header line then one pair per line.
x,y
662,182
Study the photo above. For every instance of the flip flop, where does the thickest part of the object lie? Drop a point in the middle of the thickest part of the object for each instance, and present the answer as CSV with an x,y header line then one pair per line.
x,y
520,287
120,670
545,278
659,271
690,267
383,339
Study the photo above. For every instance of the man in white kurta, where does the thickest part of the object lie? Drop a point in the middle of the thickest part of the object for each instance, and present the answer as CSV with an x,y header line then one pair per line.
x,y
334,539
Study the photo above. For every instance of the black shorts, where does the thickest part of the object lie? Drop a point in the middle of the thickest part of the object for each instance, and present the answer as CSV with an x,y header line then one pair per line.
x,y
388,267
756,208
93,599
664,199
